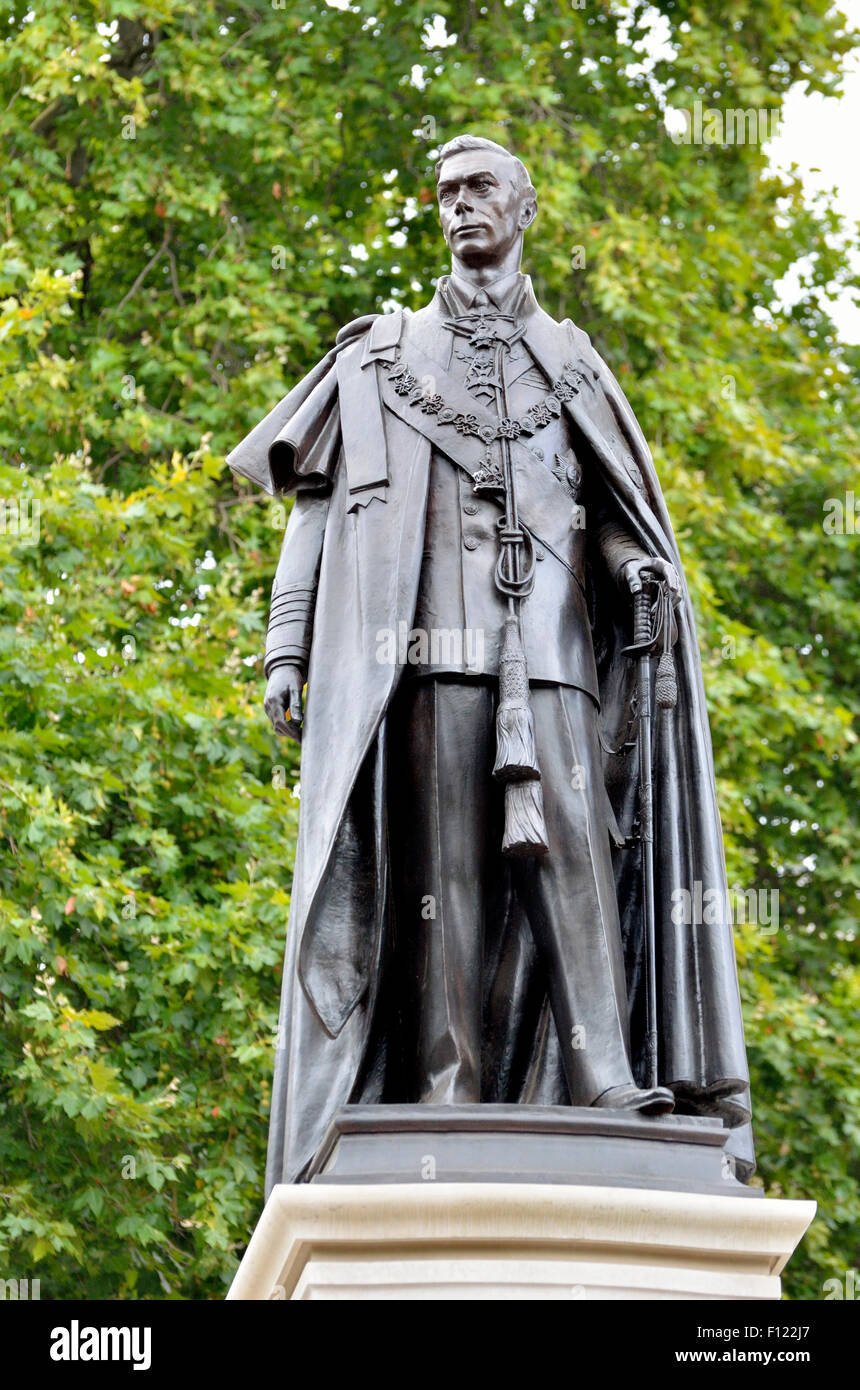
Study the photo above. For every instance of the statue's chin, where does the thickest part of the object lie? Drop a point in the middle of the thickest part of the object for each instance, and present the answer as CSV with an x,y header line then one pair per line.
x,y
476,255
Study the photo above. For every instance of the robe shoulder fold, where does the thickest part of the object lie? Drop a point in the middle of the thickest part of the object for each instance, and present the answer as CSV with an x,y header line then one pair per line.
x,y
295,447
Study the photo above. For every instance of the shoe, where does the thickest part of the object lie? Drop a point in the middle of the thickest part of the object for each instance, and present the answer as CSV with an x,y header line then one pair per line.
x,y
657,1100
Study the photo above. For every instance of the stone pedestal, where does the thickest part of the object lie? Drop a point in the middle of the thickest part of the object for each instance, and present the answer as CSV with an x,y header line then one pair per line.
x,y
438,1240
520,1202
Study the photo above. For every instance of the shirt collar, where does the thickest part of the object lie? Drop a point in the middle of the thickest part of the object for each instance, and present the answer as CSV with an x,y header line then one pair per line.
x,y
504,294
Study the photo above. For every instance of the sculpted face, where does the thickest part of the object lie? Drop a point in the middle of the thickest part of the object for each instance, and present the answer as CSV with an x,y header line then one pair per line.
x,y
483,214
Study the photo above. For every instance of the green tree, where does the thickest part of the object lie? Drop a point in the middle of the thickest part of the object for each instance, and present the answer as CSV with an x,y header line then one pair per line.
x,y
195,197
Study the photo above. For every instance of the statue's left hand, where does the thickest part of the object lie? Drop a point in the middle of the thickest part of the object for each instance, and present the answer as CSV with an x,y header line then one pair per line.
x,y
636,571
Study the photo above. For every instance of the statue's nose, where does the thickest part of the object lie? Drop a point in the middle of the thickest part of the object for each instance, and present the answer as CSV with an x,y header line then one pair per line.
x,y
462,204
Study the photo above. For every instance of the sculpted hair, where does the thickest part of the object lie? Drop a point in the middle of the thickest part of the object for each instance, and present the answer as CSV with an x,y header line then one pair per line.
x,y
521,180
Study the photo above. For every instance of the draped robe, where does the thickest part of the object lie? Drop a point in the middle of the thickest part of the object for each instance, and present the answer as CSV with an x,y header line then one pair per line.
x,y
333,435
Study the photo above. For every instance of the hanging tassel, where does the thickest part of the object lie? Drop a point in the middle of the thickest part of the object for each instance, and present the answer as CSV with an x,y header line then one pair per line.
x,y
666,687
525,827
516,754
666,684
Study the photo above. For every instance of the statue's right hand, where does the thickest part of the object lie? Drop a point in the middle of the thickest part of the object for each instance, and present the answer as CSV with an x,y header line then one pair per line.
x,y
283,701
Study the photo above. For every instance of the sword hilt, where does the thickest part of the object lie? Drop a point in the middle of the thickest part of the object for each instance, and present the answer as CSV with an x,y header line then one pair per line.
x,y
641,618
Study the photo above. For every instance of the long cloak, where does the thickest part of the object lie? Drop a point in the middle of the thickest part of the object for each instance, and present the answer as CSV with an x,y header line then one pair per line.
x,y
332,433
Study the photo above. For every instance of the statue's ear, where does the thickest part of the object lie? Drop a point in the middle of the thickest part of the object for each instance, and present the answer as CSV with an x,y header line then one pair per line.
x,y
528,212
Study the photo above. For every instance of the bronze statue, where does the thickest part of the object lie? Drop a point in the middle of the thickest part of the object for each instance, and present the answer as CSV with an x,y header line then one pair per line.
x,y
501,790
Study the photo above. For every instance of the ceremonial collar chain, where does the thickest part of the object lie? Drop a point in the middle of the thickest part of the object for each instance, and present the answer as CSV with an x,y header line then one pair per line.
x,y
537,416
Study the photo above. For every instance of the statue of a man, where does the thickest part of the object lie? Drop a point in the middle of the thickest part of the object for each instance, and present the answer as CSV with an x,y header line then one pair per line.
x,y
475,511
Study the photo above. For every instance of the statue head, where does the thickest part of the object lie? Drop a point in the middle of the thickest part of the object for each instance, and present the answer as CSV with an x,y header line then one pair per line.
x,y
486,201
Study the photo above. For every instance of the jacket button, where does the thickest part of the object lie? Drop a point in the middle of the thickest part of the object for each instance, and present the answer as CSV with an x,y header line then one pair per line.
x,y
470,508
471,542
539,554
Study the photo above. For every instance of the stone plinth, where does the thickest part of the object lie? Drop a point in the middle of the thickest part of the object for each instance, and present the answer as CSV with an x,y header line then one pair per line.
x,y
522,1240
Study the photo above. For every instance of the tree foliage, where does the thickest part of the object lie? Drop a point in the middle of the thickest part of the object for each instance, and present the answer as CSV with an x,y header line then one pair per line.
x,y
196,196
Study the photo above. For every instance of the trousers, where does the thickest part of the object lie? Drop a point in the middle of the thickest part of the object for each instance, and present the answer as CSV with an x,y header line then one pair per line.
x,y
445,834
